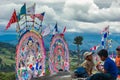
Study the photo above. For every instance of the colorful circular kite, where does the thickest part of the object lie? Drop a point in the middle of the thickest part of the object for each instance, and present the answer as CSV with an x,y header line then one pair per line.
x,y
30,56
59,54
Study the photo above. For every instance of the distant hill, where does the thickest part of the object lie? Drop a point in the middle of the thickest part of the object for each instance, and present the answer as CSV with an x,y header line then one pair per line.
x,y
89,39
7,57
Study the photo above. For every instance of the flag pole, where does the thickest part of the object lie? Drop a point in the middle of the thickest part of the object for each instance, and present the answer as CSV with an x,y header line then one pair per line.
x,y
107,47
106,43
18,28
33,21
33,18
26,18
40,27
18,25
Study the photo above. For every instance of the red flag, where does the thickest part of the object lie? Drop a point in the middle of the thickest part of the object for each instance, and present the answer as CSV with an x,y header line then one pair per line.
x,y
94,47
13,19
39,16
64,29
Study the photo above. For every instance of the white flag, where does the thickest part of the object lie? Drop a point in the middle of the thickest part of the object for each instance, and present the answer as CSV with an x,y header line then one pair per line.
x,y
106,29
46,31
31,10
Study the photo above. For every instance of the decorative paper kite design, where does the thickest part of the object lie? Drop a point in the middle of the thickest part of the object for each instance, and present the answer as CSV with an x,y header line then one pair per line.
x,y
30,56
59,54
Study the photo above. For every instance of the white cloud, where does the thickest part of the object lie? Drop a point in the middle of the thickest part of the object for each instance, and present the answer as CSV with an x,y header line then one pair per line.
x,y
76,15
89,12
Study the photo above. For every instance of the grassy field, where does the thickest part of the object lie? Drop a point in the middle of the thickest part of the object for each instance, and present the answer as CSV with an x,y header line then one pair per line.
x,y
7,75
7,52
6,59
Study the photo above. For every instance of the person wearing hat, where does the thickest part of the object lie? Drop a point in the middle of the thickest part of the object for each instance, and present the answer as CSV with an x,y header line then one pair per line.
x,y
88,64
109,71
117,60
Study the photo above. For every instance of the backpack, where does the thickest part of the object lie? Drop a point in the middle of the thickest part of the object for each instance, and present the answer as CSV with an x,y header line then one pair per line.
x,y
81,72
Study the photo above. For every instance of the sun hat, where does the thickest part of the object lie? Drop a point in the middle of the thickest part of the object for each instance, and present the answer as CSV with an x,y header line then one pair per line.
x,y
87,54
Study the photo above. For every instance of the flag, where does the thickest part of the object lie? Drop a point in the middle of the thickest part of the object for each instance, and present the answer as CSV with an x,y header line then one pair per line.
x,y
18,17
23,10
31,10
39,16
64,29
106,29
55,29
46,31
102,42
13,19
94,47
105,35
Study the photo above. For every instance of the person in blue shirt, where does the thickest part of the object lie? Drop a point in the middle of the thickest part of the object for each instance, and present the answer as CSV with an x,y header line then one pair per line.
x,y
109,72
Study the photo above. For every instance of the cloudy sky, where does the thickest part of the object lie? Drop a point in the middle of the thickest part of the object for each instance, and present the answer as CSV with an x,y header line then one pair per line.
x,y
76,15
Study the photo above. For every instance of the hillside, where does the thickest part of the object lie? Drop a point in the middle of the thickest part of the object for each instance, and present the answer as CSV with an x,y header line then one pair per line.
x,y
7,57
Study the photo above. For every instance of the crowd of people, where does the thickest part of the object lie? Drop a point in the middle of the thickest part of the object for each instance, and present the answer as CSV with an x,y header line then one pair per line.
x,y
110,70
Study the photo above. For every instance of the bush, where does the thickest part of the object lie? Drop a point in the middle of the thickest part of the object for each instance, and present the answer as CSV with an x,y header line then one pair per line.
x,y
0,60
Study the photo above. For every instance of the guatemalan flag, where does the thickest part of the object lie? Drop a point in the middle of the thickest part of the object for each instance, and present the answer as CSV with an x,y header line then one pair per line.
x,y
105,34
102,42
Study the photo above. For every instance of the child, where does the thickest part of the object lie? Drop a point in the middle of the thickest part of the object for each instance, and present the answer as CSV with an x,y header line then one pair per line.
x,y
88,64
117,60
110,70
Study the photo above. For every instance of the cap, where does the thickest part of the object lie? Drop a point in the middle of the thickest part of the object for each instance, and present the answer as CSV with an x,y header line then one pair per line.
x,y
118,48
87,54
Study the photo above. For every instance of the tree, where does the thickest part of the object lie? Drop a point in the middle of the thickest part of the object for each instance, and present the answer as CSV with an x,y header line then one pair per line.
x,y
78,41
0,61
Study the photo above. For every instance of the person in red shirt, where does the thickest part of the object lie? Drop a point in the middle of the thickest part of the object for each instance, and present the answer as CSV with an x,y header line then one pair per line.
x,y
117,60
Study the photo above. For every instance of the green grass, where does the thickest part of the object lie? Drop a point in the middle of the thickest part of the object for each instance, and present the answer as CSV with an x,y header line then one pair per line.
x,y
6,59
7,53
7,75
